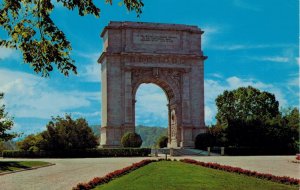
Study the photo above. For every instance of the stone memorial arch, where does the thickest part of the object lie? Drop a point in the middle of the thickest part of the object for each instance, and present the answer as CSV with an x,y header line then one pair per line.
x,y
168,55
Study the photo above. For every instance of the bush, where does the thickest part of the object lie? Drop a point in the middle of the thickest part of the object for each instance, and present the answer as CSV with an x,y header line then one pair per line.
x,y
88,153
204,140
132,140
67,134
162,142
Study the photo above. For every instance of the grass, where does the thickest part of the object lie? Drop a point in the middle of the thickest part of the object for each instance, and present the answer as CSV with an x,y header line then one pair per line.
x,y
177,176
6,166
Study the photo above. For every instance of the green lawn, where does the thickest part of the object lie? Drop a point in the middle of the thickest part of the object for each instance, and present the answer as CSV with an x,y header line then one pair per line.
x,y
6,166
181,176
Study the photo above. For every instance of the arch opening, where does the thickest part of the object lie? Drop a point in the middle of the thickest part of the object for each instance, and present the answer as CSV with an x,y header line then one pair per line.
x,y
151,113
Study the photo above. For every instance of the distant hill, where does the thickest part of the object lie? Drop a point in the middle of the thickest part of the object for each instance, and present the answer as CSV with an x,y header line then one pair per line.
x,y
149,134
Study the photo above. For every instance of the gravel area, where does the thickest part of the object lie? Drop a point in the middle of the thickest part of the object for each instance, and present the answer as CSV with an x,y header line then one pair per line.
x,y
66,173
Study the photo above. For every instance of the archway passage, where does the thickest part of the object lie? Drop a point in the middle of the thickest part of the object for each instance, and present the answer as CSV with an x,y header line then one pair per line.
x,y
167,55
151,113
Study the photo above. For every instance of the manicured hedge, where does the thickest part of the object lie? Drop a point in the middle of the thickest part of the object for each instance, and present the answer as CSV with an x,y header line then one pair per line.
x,y
107,178
89,153
284,179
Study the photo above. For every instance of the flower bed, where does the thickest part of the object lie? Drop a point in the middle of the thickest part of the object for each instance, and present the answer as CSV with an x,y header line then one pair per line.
x,y
107,178
285,179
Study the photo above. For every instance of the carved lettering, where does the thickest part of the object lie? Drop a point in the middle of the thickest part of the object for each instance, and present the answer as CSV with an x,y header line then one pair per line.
x,y
149,59
156,39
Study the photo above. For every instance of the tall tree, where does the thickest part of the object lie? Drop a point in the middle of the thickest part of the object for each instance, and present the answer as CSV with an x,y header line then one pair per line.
x,y
67,134
6,123
30,29
246,103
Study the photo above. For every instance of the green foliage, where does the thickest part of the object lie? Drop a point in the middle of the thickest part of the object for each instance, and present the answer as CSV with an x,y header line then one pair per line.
x,y
162,142
204,140
133,140
31,143
31,29
86,153
251,119
150,134
2,147
245,103
6,123
66,134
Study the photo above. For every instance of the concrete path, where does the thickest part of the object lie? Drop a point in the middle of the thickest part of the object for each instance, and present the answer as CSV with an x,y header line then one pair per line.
x,y
276,165
69,172
65,174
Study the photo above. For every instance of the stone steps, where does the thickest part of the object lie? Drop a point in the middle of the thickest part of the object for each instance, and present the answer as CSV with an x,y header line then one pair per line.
x,y
183,152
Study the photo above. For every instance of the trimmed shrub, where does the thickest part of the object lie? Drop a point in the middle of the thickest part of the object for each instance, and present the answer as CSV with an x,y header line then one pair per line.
x,y
132,140
89,153
204,140
162,142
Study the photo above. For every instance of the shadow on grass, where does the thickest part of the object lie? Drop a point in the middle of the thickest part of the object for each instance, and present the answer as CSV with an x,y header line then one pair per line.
x,y
11,166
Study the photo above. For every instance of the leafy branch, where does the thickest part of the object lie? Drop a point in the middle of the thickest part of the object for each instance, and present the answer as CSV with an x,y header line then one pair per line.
x,y
33,32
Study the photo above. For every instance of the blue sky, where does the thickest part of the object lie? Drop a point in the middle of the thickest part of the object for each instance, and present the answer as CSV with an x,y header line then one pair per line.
x,y
248,42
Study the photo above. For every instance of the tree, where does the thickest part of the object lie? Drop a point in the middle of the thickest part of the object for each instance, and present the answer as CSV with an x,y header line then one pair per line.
x,y
30,29
68,134
245,104
132,140
162,142
292,118
31,143
6,123
251,118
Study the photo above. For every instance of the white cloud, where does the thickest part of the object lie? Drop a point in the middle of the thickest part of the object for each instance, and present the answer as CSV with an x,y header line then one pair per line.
x,y
275,59
7,53
88,114
298,61
151,106
209,32
216,75
90,70
245,5
234,47
29,96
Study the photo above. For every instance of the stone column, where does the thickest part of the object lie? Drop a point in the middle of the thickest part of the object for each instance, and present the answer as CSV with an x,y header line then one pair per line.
x,y
128,103
186,128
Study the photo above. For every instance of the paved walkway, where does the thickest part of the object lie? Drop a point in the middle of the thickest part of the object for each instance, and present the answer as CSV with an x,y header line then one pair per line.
x,y
66,174
69,172
276,165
